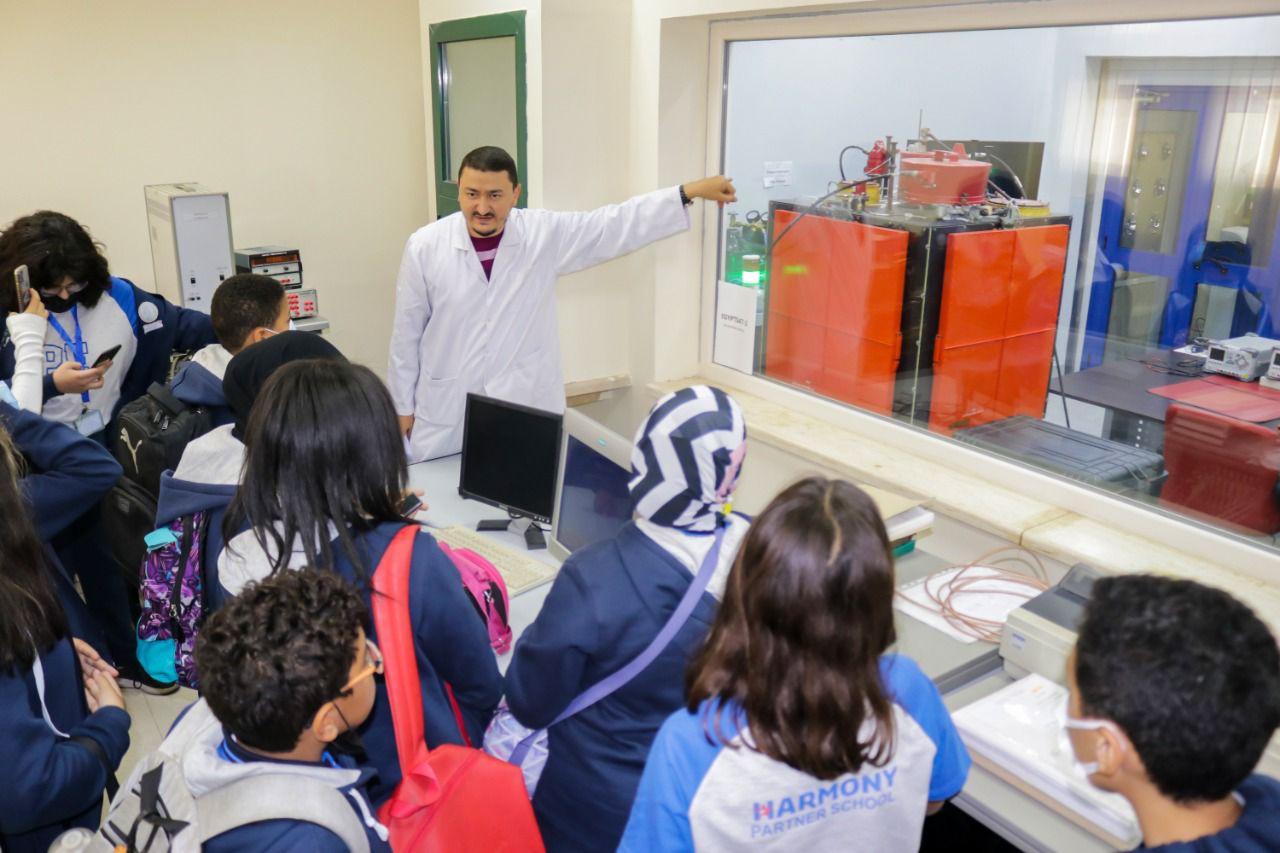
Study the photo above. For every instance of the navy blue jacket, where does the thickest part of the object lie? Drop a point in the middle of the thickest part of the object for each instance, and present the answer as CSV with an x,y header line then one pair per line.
x,y
607,603
68,473
195,385
178,329
452,645
52,784
1256,831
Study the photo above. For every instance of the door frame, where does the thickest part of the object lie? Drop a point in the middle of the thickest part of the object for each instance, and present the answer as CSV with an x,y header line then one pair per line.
x,y
470,29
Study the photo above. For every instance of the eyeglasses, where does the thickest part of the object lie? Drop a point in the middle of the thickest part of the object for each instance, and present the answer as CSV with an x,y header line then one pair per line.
x,y
73,288
373,665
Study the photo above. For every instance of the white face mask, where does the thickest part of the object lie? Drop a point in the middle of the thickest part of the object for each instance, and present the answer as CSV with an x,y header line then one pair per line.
x,y
1089,767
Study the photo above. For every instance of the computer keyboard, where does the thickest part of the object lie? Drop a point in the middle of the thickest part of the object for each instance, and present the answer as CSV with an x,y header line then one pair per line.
x,y
520,571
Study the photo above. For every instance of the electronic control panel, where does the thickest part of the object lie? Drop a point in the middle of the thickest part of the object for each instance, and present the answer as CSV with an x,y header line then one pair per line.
x,y
1245,358
302,303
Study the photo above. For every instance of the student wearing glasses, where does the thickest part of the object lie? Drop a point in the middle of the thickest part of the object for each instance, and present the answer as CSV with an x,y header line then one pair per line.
x,y
89,313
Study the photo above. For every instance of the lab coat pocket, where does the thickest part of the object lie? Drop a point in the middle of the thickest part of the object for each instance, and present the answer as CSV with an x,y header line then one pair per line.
x,y
443,401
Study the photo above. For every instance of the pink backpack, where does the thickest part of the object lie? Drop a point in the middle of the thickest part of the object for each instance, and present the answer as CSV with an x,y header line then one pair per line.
x,y
487,591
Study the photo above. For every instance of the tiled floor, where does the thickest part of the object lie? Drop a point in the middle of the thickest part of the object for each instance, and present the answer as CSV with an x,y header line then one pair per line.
x,y
152,717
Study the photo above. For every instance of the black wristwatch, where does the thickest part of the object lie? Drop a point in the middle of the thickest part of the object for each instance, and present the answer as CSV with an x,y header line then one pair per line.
x,y
684,197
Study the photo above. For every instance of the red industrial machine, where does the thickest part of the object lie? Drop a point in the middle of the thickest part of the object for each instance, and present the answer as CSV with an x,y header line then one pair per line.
x,y
943,177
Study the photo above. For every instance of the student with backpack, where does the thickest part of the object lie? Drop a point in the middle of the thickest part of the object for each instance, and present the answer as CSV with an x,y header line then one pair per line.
x,y
195,496
1174,696
154,429
800,731
611,600
262,761
324,474
63,726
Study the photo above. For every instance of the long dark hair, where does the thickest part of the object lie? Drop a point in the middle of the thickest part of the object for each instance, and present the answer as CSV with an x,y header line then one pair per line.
x,y
31,618
53,246
322,445
795,647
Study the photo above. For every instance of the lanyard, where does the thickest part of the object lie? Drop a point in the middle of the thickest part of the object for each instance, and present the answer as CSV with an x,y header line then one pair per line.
x,y
81,354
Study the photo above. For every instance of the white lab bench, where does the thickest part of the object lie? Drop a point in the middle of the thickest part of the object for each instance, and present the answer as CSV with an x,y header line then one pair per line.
x,y
964,672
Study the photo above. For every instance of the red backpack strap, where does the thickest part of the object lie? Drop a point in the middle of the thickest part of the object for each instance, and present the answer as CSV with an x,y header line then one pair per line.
x,y
396,642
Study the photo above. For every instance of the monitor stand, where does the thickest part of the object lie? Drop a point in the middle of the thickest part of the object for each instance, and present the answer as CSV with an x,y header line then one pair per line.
x,y
534,539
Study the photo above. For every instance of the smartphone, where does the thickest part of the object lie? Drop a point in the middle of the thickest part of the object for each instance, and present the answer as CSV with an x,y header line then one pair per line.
x,y
107,356
411,504
22,282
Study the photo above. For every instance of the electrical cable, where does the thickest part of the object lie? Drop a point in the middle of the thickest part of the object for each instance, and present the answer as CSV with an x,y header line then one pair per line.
x,y
811,208
945,600
1016,180
1062,388
844,151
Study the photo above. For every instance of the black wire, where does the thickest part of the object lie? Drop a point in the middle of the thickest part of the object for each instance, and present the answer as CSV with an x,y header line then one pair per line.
x,y
810,209
1062,388
1007,168
846,150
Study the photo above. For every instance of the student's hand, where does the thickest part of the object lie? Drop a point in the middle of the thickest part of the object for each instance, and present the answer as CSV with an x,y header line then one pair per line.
x,y
72,378
101,691
406,424
419,494
36,306
718,189
91,662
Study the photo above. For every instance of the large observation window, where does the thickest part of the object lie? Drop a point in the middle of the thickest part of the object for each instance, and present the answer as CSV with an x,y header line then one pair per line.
x,y
1056,244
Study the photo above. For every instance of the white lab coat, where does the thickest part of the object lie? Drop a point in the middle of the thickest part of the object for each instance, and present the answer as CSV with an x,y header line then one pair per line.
x,y
456,332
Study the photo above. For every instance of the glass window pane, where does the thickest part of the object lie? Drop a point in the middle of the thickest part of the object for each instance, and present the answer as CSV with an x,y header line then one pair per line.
x,y
478,97
1074,266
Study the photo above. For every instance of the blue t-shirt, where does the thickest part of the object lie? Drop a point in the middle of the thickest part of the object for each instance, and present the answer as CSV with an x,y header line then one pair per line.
x,y
704,795
1257,830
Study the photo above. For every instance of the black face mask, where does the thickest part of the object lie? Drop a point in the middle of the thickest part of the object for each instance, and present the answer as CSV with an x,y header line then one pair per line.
x,y
58,305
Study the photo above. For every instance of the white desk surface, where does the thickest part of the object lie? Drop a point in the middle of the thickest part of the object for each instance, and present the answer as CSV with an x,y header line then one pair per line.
x,y
1007,811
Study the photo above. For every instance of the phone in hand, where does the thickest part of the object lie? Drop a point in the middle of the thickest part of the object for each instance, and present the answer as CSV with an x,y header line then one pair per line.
x,y
22,283
409,505
106,356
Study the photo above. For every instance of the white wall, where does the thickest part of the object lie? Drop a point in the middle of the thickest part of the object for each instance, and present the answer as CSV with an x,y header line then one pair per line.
x,y
308,112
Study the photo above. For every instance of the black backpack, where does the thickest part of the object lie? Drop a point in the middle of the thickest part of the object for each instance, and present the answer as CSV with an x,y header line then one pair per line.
x,y
151,433
128,515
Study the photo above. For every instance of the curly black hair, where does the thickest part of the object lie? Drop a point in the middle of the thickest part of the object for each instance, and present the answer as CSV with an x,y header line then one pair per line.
x,y
243,303
275,653
53,246
1189,673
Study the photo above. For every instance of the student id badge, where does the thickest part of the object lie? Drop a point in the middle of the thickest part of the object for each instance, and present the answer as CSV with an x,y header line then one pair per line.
x,y
90,422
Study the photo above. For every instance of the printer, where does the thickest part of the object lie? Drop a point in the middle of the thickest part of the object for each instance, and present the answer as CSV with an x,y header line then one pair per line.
x,y
1039,637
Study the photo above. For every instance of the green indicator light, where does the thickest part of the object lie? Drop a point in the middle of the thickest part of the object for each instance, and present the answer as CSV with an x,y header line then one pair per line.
x,y
796,269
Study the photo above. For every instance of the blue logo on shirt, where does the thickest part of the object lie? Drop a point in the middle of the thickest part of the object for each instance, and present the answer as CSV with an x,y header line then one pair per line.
x,y
864,792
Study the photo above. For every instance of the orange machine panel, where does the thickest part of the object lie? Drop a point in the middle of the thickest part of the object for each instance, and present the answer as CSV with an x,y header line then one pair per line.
x,y
800,268
794,350
868,272
975,287
966,384
1035,286
1024,374
835,308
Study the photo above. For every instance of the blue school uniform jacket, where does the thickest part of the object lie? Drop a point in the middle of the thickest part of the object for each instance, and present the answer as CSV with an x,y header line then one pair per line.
x,y
211,759
159,328
699,793
52,784
196,385
451,640
607,603
1256,831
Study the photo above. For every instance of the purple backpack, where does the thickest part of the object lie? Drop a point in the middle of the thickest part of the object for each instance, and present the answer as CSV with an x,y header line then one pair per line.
x,y
173,599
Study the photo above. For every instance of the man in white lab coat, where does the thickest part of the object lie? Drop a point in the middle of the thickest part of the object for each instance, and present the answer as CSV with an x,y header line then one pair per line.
x,y
475,298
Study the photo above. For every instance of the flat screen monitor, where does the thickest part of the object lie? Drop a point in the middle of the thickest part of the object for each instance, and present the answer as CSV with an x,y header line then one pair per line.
x,y
510,455
592,501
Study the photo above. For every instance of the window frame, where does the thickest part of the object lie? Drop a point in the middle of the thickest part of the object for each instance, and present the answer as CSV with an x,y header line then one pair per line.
x,y
1200,539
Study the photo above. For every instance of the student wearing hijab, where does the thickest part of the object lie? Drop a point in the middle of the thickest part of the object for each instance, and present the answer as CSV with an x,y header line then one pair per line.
x,y
610,600
209,470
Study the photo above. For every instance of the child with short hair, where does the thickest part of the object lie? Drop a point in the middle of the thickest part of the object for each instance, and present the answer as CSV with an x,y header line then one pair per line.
x,y
801,731
1175,693
287,675
245,309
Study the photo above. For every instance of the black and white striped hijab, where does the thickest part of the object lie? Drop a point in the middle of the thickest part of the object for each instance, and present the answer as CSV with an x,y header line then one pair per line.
x,y
686,459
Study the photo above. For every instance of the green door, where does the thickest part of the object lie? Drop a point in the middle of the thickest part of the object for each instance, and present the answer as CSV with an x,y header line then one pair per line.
x,y
477,96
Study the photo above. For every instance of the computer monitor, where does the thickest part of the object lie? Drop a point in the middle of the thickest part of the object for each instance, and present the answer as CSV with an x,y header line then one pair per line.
x,y
592,499
510,455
